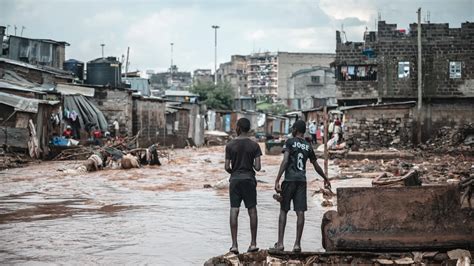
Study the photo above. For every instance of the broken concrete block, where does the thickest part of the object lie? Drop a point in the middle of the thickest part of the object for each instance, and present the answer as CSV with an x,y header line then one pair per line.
x,y
384,261
458,253
405,261
397,218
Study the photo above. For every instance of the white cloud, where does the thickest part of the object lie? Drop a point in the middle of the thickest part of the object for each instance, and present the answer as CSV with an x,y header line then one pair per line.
x,y
361,9
255,35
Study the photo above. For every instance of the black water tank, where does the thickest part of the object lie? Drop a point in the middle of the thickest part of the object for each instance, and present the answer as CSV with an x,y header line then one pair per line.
x,y
104,71
76,67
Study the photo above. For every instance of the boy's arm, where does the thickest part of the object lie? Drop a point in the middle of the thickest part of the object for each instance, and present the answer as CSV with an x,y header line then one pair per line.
x,y
320,172
227,166
283,166
257,165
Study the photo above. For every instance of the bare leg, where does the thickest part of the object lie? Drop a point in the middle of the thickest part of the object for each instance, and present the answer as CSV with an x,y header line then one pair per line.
x,y
299,229
281,228
253,226
234,214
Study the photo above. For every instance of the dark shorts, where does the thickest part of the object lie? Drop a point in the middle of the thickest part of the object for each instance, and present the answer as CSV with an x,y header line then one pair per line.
x,y
243,189
296,191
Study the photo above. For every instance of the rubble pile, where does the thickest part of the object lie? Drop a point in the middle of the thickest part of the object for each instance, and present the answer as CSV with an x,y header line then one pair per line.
x,y
375,133
10,160
449,139
263,257
432,169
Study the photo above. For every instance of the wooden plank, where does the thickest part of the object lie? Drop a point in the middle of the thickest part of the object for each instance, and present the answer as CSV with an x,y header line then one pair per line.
x,y
14,137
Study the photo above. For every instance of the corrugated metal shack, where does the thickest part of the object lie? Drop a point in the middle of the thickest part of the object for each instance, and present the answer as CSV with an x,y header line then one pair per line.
x,y
149,120
184,125
24,116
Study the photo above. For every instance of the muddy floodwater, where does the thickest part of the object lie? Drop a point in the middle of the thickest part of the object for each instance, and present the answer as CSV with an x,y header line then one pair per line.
x,y
156,215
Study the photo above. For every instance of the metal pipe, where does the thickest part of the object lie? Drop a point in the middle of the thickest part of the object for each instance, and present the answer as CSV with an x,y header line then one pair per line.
x,y
171,67
420,75
215,27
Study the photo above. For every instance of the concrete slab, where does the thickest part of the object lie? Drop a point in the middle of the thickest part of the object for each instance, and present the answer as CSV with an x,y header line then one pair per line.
x,y
398,218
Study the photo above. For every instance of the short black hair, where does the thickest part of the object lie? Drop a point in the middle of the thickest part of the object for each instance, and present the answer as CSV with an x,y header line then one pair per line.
x,y
244,124
300,126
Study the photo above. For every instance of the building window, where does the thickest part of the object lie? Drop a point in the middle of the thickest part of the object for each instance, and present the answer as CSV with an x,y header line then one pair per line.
x,y
403,69
315,79
455,69
356,73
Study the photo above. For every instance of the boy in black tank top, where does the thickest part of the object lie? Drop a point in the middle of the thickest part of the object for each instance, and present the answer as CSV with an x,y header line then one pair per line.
x,y
296,152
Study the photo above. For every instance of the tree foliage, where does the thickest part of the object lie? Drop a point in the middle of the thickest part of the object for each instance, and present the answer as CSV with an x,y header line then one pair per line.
x,y
216,97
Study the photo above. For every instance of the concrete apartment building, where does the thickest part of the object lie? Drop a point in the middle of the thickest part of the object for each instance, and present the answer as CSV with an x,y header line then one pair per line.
x,y
235,73
268,73
170,80
202,76
311,87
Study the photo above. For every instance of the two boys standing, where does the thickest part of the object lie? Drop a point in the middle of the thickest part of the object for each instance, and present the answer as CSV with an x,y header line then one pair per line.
x,y
242,159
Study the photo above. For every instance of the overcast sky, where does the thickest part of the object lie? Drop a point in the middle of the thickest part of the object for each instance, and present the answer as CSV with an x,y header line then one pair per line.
x,y
247,26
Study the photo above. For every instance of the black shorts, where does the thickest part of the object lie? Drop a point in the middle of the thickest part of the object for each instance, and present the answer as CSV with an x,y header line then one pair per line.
x,y
243,189
296,191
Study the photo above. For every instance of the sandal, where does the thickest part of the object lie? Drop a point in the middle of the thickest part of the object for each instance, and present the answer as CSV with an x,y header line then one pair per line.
x,y
255,249
275,248
234,250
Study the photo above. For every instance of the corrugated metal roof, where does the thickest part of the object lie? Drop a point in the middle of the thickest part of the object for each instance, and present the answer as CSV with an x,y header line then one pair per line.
x,y
51,70
343,108
23,104
12,86
180,93
67,89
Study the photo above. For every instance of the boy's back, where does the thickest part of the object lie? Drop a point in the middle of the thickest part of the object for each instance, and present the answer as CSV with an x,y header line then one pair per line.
x,y
300,151
242,153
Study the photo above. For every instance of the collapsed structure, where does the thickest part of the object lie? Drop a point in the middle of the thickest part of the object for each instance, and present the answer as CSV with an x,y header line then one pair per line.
x,y
383,69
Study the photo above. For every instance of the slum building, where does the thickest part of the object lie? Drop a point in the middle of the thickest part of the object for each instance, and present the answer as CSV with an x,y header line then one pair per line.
x,y
42,52
149,120
185,119
383,69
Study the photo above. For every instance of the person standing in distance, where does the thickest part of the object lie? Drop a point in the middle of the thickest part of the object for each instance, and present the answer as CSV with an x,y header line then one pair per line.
x,y
242,159
296,152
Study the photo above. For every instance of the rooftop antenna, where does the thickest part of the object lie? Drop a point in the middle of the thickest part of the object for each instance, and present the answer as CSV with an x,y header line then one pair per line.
x,y
343,33
15,29
428,16
8,26
22,28
102,44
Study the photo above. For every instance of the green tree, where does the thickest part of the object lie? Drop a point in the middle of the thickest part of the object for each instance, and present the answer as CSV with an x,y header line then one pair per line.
x,y
216,97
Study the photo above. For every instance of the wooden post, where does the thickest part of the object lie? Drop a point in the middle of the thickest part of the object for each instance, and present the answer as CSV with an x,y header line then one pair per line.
x,y
326,157
420,79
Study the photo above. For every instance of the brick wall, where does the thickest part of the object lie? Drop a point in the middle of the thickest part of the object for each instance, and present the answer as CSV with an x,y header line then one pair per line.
x,y
440,45
375,127
115,104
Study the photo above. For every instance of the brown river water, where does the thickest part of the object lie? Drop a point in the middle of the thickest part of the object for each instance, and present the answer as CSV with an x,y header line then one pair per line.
x,y
152,215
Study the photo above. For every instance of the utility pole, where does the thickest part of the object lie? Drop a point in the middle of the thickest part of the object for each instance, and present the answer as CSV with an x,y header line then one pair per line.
x,y
102,45
171,66
420,77
325,139
126,62
215,27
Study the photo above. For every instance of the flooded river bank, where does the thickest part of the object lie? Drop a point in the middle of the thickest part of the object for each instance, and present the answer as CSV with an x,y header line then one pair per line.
x,y
157,215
